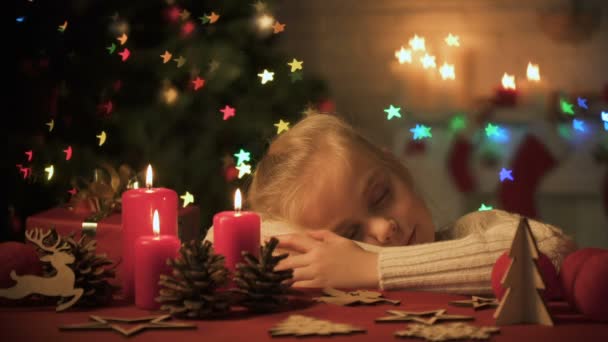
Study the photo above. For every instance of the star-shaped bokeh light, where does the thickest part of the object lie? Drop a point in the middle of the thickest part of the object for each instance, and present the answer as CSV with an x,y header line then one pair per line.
x,y
187,198
244,169
417,43
242,157
421,132
404,55
428,61
506,174
228,112
50,171
392,112
582,102
508,81
578,125
452,40
282,126
447,71
484,207
566,107
266,76
295,65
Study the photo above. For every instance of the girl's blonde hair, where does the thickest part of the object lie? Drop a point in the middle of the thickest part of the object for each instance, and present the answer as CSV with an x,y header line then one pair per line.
x,y
294,158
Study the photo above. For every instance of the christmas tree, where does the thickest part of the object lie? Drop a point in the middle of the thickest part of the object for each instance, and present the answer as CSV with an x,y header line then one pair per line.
x,y
522,303
181,85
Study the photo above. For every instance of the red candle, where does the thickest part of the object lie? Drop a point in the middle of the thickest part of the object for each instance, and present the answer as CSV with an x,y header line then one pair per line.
x,y
151,254
236,231
138,207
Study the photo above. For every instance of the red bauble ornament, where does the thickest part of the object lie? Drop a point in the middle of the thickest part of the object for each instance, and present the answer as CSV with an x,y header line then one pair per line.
x,y
584,279
231,173
590,287
553,288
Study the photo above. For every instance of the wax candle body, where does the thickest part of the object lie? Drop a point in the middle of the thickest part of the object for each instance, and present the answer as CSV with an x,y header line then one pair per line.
x,y
235,232
138,207
151,254
505,97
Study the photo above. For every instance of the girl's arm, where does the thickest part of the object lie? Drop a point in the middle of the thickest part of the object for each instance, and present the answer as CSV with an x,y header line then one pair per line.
x,y
465,265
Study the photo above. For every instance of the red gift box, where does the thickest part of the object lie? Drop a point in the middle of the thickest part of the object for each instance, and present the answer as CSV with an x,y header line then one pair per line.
x,y
108,232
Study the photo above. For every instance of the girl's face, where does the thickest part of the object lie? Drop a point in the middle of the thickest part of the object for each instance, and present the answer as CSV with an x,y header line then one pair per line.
x,y
367,202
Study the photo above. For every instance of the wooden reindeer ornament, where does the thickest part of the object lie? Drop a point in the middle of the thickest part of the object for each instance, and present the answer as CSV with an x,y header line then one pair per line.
x,y
59,285
522,303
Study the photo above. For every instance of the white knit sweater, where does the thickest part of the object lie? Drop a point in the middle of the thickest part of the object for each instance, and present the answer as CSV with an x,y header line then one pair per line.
x,y
460,260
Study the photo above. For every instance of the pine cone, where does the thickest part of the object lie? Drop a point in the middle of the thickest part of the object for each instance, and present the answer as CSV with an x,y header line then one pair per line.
x,y
262,287
92,271
191,291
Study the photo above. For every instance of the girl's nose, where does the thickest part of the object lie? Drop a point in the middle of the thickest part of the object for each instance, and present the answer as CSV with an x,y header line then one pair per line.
x,y
382,229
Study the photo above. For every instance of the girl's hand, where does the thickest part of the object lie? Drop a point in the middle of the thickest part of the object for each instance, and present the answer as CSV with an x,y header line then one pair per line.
x,y
323,259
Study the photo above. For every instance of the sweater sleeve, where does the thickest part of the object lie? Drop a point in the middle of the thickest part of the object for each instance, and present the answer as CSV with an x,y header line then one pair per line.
x,y
464,265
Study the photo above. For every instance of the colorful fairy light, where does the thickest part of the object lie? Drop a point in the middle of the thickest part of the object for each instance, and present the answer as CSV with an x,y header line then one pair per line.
x,y
392,112
417,43
452,40
506,174
428,61
295,65
582,102
508,81
244,169
166,57
228,112
403,55
242,157
281,126
566,107
188,198
50,170
421,132
102,137
447,71
266,76
532,72
484,207
68,153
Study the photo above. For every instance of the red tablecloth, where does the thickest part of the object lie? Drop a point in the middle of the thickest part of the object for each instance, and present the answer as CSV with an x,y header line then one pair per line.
x,y
41,324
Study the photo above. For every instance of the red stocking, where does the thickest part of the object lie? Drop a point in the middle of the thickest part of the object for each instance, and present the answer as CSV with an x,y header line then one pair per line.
x,y
459,164
532,162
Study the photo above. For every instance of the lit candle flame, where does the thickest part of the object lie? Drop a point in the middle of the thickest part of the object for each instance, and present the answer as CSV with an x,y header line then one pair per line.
x,y
508,81
237,200
533,72
149,176
156,224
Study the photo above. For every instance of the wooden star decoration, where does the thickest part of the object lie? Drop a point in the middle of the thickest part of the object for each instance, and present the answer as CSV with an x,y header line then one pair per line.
x,y
334,296
299,325
424,317
446,332
477,302
148,322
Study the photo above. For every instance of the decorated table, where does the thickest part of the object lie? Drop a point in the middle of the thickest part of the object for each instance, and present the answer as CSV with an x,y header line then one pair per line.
x,y
42,324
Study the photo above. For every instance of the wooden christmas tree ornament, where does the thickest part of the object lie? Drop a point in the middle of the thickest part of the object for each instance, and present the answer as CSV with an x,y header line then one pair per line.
x,y
334,296
299,325
59,285
522,302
